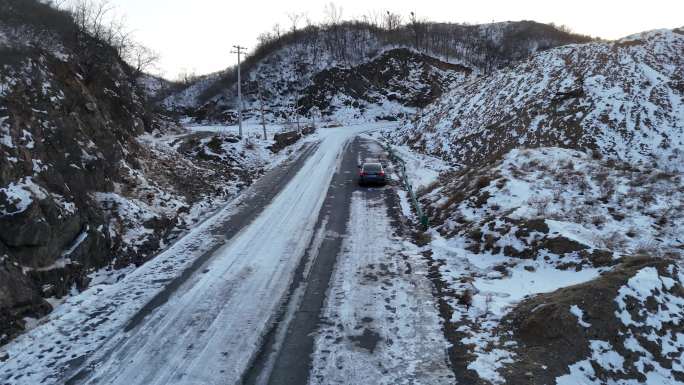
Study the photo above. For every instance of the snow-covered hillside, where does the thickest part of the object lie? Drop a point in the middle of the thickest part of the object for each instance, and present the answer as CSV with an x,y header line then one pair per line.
x,y
288,68
390,85
623,99
553,267
555,237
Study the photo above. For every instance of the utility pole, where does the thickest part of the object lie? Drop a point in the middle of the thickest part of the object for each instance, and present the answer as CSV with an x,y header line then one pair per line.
x,y
296,111
239,50
261,107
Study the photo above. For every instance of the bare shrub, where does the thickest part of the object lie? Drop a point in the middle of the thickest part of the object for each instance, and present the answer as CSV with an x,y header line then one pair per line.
x,y
249,143
488,303
601,176
614,241
558,195
430,187
483,182
648,247
423,238
539,204
454,199
465,298
583,186
530,166
598,220
646,198
607,189
501,183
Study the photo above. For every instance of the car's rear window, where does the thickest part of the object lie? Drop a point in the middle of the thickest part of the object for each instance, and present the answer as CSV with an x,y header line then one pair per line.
x,y
372,167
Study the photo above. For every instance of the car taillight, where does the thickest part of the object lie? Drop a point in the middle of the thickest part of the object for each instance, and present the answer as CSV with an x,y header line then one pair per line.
x,y
362,173
382,173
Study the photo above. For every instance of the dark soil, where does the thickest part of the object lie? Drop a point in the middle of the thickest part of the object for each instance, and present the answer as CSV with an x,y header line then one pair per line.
x,y
549,337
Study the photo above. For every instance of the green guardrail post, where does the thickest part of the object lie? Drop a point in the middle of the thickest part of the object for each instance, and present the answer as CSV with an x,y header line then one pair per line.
x,y
404,176
424,222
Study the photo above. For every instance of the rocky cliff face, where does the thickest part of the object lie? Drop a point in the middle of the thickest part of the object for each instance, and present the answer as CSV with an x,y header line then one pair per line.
x,y
393,84
89,176
68,118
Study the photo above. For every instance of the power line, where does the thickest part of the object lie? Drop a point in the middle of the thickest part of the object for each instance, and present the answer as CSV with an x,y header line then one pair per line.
x,y
239,51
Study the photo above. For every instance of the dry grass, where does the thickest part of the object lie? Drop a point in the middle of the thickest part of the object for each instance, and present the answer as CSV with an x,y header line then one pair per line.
x,y
465,298
540,205
648,247
423,238
598,220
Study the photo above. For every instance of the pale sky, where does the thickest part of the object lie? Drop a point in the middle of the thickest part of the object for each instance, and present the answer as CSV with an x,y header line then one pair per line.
x,y
196,35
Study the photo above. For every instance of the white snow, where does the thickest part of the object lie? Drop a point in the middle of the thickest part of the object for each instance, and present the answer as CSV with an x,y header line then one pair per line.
x,y
5,137
498,294
494,294
577,312
631,108
397,305
77,242
582,373
20,195
647,283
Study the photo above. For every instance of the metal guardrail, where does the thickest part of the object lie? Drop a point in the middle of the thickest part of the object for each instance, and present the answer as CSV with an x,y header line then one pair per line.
x,y
397,159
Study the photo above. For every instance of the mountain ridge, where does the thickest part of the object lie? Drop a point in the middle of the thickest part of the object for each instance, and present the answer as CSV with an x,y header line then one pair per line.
x,y
594,96
299,56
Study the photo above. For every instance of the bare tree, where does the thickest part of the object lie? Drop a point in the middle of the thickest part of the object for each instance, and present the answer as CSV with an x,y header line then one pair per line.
x,y
333,13
265,38
392,21
97,19
143,59
186,76
418,28
276,30
294,20
90,15
373,18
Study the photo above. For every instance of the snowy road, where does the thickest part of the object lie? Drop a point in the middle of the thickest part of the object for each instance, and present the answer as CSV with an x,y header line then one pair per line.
x,y
206,333
203,312
363,312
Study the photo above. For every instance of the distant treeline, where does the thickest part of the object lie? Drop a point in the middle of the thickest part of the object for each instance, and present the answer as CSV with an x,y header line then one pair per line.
x,y
87,26
484,47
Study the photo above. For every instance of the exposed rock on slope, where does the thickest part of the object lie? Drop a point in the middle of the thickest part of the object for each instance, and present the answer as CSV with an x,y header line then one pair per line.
x,y
624,99
395,80
67,123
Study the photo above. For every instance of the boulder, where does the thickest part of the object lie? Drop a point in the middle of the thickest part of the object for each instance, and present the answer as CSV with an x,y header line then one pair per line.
x,y
284,139
19,298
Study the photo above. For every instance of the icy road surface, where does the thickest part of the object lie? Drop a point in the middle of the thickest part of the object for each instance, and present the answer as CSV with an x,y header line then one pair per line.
x,y
201,312
362,311
381,324
221,310
206,333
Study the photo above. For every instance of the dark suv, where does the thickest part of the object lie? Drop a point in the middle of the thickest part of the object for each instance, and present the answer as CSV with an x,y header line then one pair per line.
x,y
372,173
